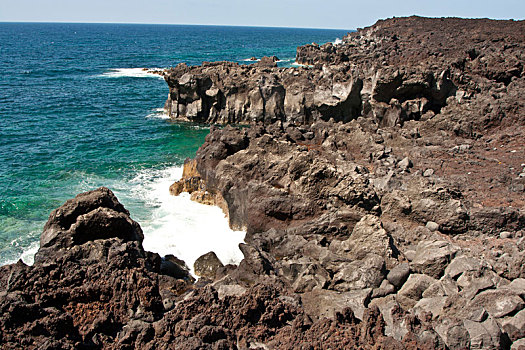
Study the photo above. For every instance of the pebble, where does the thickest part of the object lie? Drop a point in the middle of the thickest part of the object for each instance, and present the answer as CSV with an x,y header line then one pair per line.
x,y
428,172
505,235
432,226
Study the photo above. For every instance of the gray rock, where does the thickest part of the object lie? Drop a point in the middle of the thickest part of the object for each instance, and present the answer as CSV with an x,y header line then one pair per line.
x,y
392,315
432,226
312,277
484,335
405,164
368,236
230,290
517,286
461,264
413,289
359,274
505,235
453,333
428,172
444,287
433,257
207,265
434,305
515,326
518,344
399,274
322,303
384,289
499,303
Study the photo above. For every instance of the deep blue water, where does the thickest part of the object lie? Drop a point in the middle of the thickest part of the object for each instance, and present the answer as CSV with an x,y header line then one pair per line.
x,y
74,116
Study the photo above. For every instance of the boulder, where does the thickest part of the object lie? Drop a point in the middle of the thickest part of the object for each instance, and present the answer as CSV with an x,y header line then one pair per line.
x,y
461,264
413,289
369,236
360,274
432,257
514,326
321,303
207,265
89,216
485,335
399,274
453,333
499,302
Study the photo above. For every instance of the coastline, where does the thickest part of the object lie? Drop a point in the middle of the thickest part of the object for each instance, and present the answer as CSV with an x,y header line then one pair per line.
x,y
380,189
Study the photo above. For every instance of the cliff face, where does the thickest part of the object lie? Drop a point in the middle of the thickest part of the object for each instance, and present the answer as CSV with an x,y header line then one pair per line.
x,y
397,70
382,191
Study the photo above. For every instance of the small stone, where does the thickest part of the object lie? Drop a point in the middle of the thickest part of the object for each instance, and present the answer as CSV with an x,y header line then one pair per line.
x,y
405,164
428,172
432,226
505,235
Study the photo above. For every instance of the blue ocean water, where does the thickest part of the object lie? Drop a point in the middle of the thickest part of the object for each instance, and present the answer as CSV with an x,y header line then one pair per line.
x,y
77,112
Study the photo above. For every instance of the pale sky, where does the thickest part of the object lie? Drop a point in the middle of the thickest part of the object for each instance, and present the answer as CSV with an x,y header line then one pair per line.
x,y
339,14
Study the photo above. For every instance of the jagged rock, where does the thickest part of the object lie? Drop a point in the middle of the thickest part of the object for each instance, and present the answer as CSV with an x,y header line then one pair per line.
x,y
514,326
517,286
207,265
312,277
325,303
369,237
399,274
453,333
499,303
383,290
433,257
444,287
461,264
413,289
176,268
485,335
89,216
360,274
433,305
518,344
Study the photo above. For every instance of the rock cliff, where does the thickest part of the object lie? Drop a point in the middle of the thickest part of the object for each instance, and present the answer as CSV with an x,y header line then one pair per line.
x,y
381,189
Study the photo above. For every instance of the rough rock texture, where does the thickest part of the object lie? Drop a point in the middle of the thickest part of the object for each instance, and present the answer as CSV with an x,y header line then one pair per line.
x,y
352,242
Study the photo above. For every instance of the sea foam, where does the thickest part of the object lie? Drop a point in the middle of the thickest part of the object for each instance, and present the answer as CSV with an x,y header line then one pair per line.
x,y
132,73
158,113
181,227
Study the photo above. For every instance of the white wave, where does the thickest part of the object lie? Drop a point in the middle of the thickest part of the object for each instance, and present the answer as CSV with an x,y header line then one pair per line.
x,y
159,113
337,42
133,73
296,64
28,256
250,60
181,227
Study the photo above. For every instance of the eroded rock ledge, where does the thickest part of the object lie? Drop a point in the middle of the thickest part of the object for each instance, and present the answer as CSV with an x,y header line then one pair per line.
x,y
381,189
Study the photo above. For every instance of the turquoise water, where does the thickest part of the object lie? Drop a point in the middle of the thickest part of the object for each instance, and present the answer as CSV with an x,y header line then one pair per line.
x,y
77,113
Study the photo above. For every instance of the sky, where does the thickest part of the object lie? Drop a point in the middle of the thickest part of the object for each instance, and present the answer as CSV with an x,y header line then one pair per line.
x,y
337,14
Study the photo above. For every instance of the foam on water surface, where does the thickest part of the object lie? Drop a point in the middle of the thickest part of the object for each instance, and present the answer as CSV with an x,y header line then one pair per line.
x,y
181,227
132,73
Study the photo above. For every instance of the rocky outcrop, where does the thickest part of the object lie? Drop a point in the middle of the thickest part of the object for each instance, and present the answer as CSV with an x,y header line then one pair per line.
x,y
396,203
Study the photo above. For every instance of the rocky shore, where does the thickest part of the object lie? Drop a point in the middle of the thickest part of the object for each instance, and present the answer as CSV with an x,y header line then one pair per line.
x,y
381,187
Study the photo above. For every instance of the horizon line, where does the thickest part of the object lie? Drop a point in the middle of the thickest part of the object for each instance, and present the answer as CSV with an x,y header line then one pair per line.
x,y
177,24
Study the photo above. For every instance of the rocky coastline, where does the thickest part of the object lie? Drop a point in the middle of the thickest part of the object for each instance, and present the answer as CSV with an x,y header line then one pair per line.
x,y
381,187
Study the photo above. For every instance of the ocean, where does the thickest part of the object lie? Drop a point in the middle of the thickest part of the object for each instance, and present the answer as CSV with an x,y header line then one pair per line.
x,y
77,111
